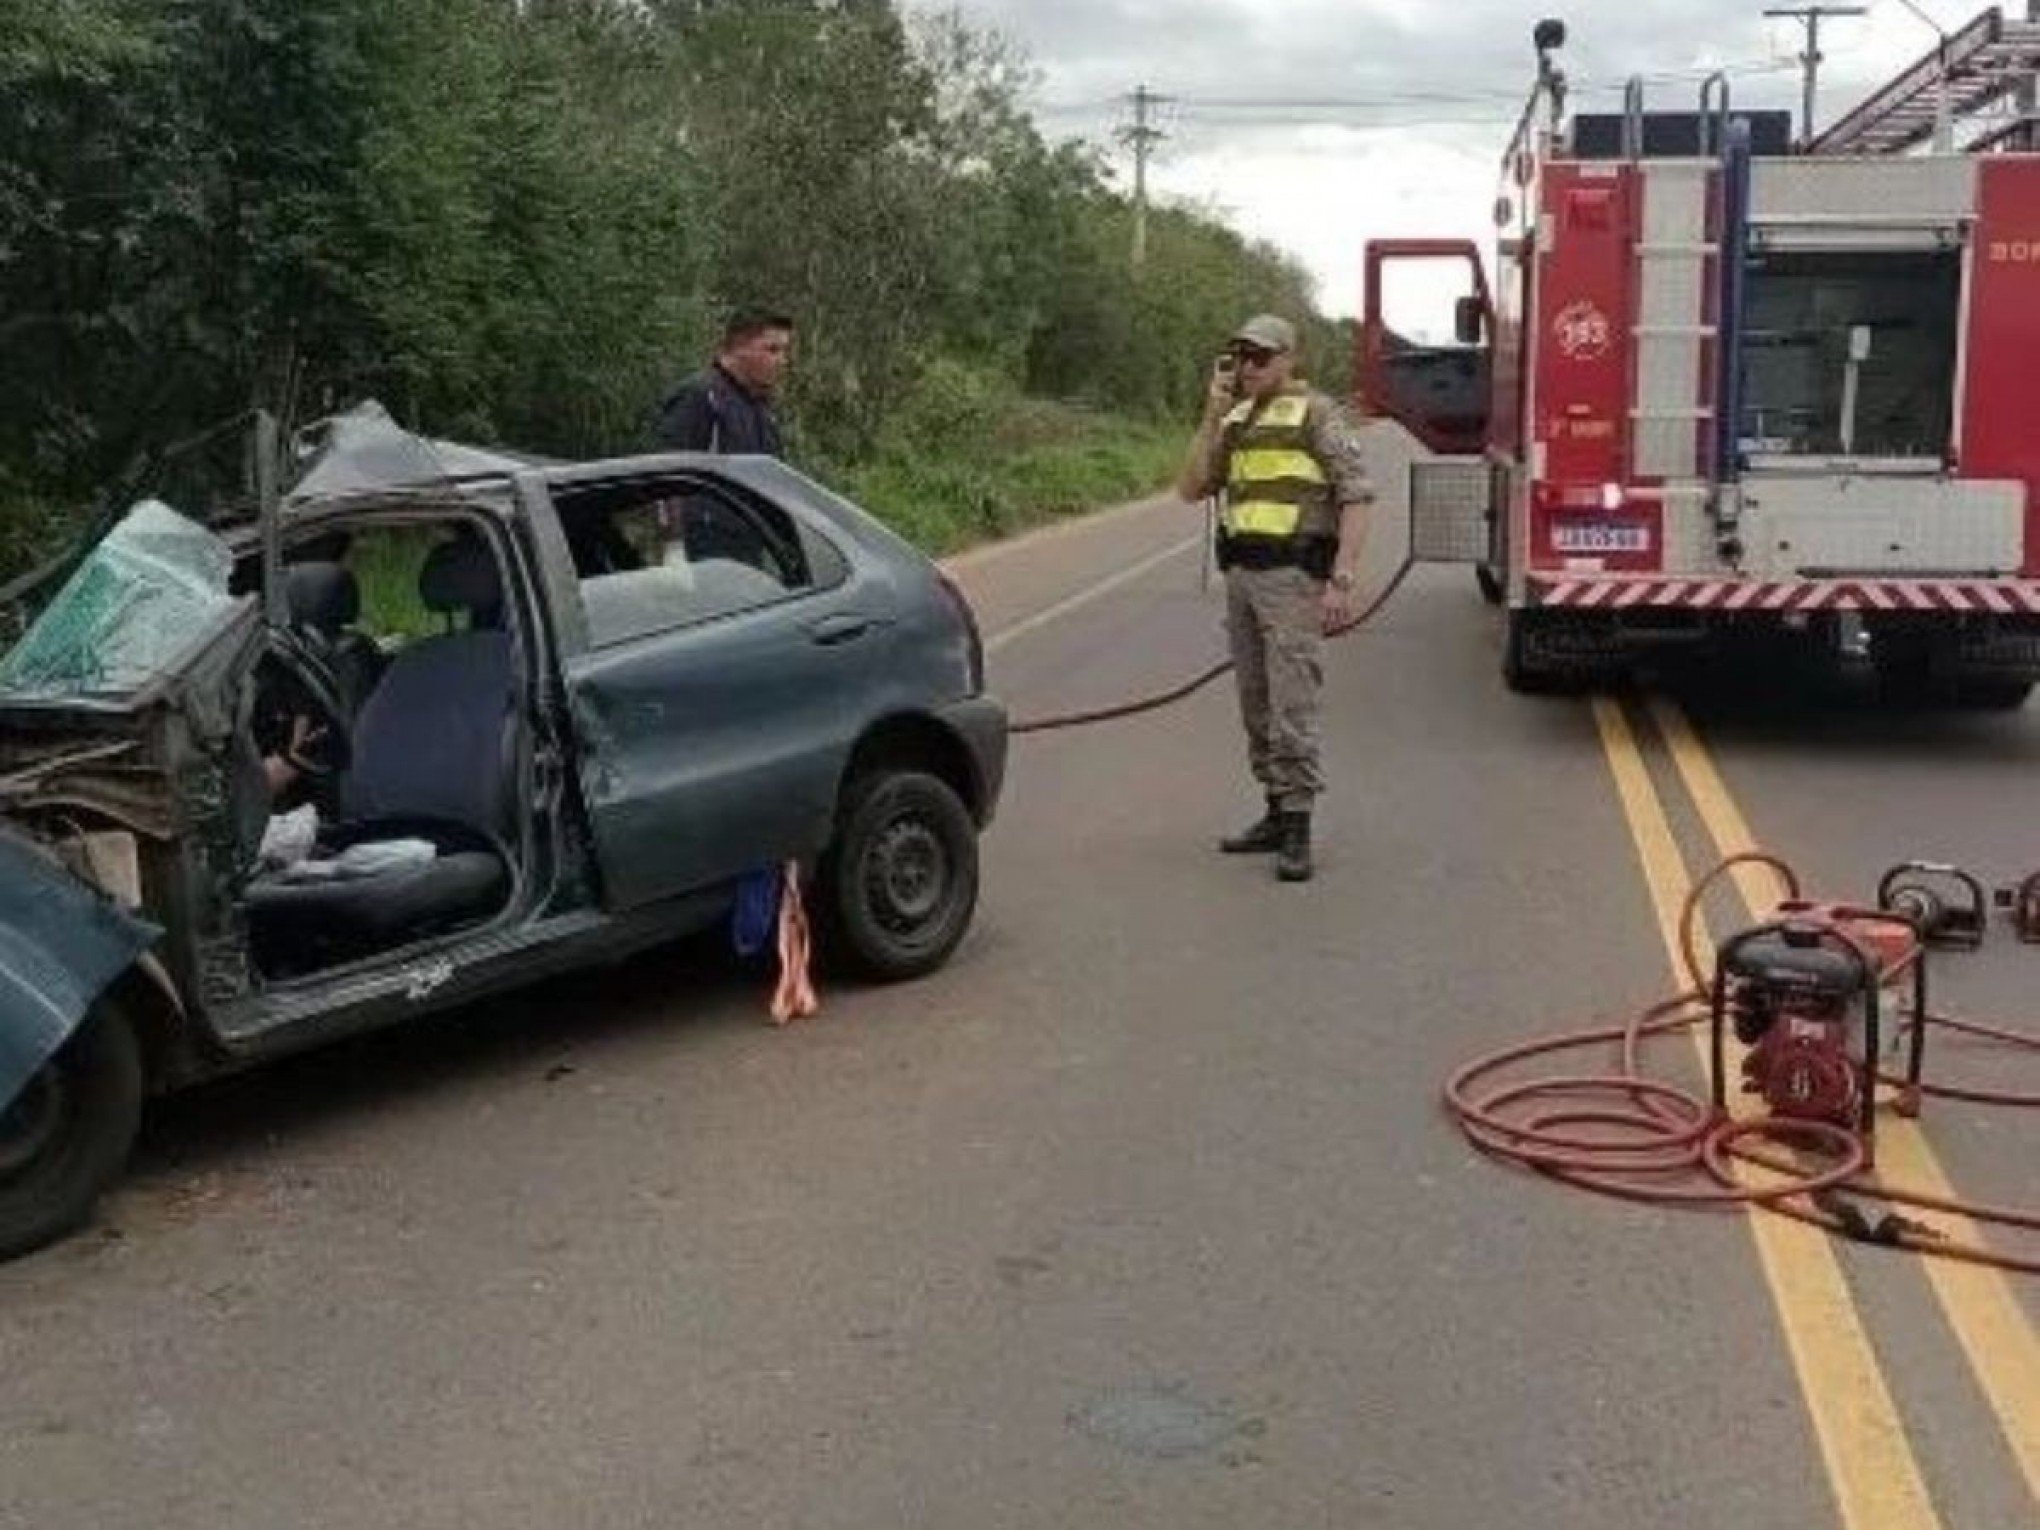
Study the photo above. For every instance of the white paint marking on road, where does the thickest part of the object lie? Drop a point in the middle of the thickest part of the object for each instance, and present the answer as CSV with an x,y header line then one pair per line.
x,y
1089,593
1055,531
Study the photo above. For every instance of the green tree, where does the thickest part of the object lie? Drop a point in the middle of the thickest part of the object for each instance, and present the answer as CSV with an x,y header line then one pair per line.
x,y
520,220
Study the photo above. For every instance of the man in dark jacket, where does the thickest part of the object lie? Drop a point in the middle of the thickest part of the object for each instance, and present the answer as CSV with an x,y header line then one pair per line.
x,y
728,407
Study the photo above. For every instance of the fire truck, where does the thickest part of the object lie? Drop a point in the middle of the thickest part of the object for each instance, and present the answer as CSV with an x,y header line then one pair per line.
x,y
1733,391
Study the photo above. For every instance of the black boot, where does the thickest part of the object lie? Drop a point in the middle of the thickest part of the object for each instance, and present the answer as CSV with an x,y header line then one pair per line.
x,y
1292,862
1263,837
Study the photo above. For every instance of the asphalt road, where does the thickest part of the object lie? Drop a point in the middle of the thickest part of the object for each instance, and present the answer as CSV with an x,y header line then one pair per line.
x,y
1143,1213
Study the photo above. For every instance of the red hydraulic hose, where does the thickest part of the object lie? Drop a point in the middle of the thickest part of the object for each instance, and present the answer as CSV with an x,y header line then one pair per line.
x,y
1969,1093
1627,1134
1197,682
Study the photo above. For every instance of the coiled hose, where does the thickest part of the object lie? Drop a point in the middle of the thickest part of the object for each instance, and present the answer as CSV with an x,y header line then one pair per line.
x,y
1628,1134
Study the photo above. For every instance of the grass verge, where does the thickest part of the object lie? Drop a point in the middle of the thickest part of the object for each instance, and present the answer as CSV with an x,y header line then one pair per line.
x,y
966,459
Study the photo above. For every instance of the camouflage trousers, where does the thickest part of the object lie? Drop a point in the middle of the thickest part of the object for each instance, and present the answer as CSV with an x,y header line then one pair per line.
x,y
1274,623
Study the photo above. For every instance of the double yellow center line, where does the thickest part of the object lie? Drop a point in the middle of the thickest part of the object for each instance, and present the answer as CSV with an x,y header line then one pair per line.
x,y
1876,1478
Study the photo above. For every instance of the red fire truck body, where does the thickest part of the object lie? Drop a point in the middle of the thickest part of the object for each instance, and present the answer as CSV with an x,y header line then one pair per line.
x,y
1741,393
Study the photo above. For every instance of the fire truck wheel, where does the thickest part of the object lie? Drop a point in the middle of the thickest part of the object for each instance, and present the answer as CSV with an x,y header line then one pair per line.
x,y
1491,588
1526,670
1994,694
1906,669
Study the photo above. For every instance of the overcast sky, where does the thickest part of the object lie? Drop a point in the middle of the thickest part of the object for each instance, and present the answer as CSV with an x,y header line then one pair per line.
x,y
1374,118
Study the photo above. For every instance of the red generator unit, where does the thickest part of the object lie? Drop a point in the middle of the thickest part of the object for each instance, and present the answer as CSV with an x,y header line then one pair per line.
x,y
1726,389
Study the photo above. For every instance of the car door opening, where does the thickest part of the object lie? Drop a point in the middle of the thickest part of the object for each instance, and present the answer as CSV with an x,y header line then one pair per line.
x,y
420,823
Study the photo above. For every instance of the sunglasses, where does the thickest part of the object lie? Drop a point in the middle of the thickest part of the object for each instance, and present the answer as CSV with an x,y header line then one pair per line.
x,y
1253,355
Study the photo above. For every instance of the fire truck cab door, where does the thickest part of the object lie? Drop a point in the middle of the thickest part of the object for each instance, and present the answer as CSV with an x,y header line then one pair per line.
x,y
1437,391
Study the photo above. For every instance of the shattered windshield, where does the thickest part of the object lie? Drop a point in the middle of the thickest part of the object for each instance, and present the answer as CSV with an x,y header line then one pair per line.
x,y
146,595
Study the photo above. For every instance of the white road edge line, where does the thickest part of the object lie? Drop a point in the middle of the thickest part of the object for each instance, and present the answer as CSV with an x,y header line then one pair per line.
x,y
1089,593
973,558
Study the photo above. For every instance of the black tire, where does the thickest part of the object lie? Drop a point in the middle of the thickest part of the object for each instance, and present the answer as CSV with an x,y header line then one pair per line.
x,y
1914,670
67,1136
1993,693
1524,670
898,887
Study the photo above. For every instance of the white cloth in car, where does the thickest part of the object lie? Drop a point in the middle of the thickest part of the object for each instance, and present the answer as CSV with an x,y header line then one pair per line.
x,y
289,837
368,860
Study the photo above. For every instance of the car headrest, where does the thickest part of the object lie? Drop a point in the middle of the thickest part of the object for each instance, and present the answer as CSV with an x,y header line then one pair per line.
x,y
322,596
460,575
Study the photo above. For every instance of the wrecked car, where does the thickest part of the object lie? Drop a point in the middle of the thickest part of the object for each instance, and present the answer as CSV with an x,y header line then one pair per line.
x,y
439,723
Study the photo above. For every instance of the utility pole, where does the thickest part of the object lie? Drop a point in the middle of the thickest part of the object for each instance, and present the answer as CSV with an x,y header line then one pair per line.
x,y
1809,61
1143,136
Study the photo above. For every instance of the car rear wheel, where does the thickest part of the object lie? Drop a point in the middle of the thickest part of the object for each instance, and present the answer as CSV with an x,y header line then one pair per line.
x,y
899,885
66,1137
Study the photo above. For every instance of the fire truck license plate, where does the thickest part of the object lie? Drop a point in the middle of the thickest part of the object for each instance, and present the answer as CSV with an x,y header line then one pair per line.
x,y
1599,537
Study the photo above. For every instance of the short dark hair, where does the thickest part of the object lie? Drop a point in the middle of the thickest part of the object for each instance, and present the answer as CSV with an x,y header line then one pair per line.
x,y
743,323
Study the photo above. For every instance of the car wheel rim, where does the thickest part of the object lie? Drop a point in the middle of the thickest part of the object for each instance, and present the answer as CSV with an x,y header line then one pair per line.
x,y
33,1122
907,876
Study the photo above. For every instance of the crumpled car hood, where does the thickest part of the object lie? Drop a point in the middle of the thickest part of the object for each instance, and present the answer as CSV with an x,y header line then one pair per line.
x,y
61,943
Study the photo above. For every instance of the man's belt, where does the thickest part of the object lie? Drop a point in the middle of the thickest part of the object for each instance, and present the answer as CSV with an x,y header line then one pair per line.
x,y
1314,555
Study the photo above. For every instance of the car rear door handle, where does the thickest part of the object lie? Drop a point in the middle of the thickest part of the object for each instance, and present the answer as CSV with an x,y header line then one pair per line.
x,y
844,627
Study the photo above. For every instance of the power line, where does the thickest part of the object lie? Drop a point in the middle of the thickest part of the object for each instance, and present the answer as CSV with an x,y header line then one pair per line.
x,y
1920,13
1302,112
1455,97
1477,113
1380,125
1747,67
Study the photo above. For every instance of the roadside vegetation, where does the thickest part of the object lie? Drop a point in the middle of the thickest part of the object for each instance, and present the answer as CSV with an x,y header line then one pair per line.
x,y
519,221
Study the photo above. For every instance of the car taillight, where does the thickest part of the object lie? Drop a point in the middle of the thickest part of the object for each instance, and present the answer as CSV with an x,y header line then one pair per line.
x,y
968,617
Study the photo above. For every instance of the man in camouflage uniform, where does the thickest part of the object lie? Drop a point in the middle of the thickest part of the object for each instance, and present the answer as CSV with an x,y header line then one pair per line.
x,y
1290,532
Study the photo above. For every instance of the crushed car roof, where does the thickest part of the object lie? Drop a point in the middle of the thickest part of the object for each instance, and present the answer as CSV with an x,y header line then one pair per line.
x,y
364,450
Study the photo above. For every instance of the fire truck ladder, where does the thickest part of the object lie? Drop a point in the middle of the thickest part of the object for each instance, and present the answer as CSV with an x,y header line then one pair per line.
x,y
1986,61
1679,280
2021,132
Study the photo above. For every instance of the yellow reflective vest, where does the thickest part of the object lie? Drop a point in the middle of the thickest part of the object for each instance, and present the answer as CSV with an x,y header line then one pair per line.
x,y
1274,486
